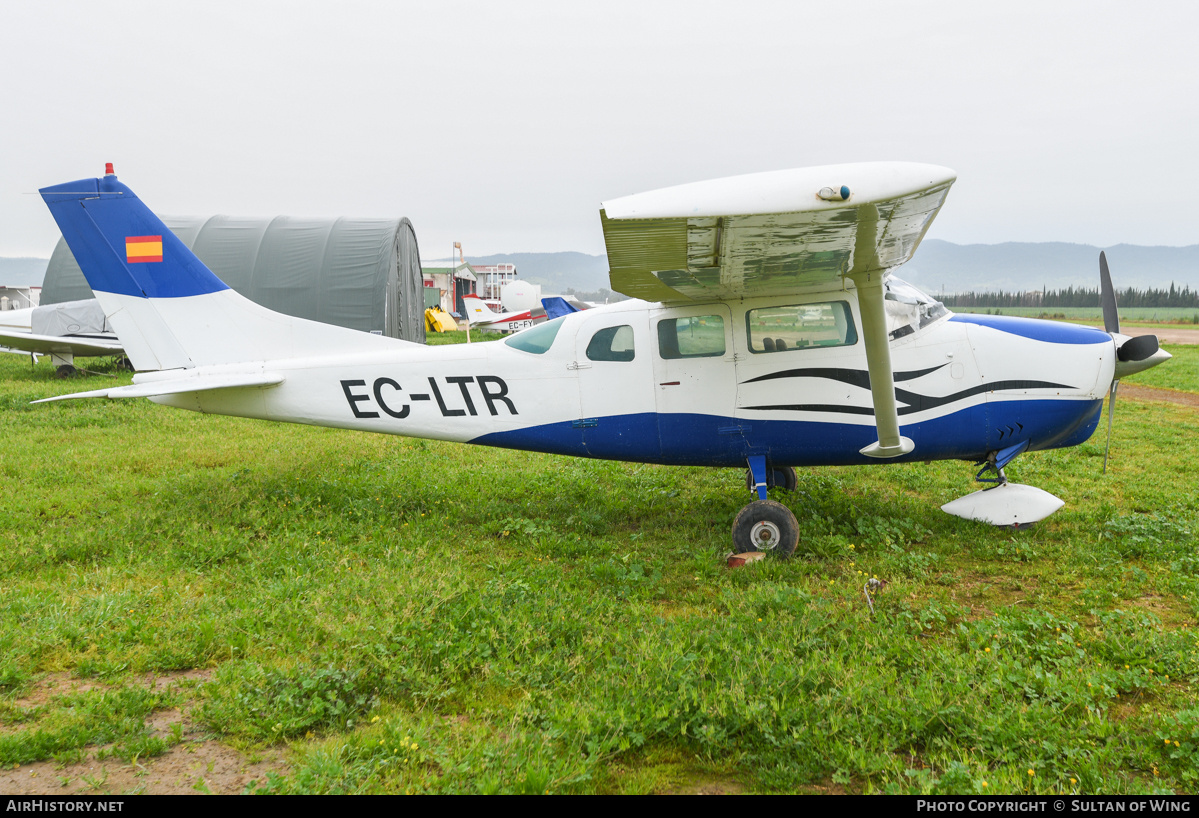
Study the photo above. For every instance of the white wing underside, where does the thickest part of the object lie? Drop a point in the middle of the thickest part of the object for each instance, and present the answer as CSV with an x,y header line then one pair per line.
x,y
62,344
770,233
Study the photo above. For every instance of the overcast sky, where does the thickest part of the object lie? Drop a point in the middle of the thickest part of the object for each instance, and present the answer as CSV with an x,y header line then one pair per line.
x,y
503,125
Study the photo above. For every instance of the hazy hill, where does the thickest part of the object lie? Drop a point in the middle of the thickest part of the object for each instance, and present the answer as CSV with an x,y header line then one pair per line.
x,y
941,266
1012,266
22,272
938,266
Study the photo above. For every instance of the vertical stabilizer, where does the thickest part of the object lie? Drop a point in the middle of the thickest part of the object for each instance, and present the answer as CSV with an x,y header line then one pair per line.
x,y
477,311
169,310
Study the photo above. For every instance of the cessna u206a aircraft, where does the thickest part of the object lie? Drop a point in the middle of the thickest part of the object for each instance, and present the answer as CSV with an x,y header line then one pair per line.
x,y
766,333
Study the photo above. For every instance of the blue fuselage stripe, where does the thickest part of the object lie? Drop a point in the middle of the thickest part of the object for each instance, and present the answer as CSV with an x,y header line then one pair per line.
x,y
705,440
1054,332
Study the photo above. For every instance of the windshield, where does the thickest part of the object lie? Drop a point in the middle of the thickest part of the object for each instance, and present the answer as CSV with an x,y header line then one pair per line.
x,y
536,339
908,308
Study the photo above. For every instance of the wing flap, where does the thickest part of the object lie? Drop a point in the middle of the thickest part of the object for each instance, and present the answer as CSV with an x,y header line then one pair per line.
x,y
174,386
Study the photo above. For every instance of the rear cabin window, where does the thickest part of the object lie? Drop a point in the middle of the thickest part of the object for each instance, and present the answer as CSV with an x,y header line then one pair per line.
x,y
804,326
699,336
611,344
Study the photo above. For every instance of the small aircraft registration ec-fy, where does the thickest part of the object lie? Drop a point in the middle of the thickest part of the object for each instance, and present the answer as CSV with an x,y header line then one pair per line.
x,y
766,332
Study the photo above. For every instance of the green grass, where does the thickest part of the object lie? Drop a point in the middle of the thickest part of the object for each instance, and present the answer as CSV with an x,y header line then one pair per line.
x,y
1163,316
1181,373
411,616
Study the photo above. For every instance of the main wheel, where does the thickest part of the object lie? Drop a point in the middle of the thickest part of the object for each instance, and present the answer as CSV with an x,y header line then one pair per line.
x,y
765,525
784,478
781,476
66,371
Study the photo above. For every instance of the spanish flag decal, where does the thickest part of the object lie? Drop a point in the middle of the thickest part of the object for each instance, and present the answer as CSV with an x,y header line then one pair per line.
x,y
143,248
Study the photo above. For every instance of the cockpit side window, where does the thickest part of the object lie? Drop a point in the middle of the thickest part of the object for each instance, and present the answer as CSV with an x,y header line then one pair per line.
x,y
802,326
612,344
698,336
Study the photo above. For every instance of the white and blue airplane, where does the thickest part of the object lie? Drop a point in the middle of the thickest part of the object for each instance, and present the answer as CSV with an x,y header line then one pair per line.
x,y
766,332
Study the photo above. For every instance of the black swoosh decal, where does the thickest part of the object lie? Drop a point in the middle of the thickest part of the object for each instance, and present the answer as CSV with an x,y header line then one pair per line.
x,y
915,402
854,377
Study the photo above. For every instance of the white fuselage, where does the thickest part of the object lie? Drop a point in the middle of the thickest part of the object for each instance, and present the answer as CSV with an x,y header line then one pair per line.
x,y
965,386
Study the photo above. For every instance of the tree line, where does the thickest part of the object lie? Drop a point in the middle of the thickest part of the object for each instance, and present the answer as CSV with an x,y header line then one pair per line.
x,y
1076,297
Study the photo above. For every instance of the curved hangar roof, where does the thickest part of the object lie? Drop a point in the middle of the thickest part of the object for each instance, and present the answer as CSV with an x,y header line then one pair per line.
x,y
359,273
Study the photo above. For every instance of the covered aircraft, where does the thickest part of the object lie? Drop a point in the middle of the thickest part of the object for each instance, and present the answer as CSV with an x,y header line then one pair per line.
x,y
767,333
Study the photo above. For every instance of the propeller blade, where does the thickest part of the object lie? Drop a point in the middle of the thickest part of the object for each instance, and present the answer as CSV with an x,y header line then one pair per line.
x,y
1107,296
1138,348
1111,411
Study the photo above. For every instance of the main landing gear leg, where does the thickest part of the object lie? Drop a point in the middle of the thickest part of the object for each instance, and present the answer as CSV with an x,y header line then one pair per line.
x,y
765,525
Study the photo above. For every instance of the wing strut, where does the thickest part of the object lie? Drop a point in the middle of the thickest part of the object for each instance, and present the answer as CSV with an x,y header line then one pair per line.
x,y
868,279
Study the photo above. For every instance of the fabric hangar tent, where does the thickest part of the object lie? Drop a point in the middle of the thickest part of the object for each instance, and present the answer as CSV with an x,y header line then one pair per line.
x,y
363,274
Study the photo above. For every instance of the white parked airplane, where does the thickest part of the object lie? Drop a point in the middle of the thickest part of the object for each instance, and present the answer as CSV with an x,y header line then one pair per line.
x,y
62,331
481,316
771,336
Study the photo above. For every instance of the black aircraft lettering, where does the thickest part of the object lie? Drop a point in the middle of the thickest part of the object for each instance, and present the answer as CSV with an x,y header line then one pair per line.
x,y
353,399
449,413
462,381
493,389
492,397
402,413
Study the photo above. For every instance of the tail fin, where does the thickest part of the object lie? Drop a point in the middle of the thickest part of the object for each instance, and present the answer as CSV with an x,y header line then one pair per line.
x,y
168,309
477,311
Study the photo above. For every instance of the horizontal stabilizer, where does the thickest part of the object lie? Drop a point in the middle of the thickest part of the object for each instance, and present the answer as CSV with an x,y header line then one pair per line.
x,y
198,383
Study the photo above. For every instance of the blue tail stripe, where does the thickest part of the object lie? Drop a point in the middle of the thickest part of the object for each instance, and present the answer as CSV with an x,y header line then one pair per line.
x,y
97,215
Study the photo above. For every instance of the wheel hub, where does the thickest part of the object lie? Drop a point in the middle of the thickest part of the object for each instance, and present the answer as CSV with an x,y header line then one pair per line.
x,y
765,535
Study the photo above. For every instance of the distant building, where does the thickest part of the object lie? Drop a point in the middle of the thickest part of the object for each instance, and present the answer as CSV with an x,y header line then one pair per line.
x,y
19,298
445,286
492,278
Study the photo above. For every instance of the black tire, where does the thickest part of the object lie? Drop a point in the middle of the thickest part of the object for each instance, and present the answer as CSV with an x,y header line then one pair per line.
x,y
784,478
765,525
781,476
66,371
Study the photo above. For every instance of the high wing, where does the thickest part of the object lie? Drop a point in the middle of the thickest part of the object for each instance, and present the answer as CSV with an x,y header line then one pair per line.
x,y
767,234
782,232
62,344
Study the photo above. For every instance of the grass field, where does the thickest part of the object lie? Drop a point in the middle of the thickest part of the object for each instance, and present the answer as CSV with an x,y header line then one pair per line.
x,y
392,615
1132,316
1180,373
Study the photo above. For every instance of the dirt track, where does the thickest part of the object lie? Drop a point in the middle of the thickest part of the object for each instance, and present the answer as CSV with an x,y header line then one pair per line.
x,y
1138,392
1180,335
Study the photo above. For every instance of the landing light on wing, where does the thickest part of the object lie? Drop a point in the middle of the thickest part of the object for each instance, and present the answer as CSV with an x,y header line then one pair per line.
x,y
834,194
